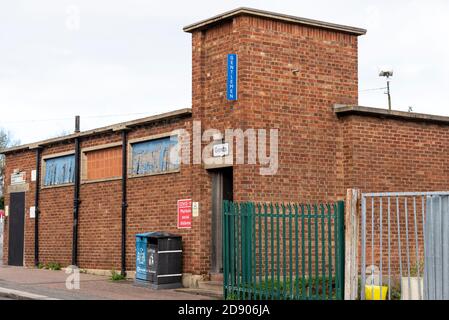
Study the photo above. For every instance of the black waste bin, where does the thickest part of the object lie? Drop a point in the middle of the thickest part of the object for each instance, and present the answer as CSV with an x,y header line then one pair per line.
x,y
159,260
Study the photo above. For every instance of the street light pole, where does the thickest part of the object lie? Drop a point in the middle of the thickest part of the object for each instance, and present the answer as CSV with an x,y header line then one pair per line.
x,y
389,95
387,73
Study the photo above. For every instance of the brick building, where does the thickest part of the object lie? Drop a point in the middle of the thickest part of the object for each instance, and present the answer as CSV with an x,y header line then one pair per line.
x,y
296,75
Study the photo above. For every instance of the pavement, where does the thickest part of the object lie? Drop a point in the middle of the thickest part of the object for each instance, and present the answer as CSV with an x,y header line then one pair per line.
x,y
38,284
1,240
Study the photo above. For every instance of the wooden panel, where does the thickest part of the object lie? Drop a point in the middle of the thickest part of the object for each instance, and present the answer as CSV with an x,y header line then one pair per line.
x,y
104,163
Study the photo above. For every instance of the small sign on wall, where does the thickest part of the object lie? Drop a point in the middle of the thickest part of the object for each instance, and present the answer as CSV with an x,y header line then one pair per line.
x,y
18,177
195,209
185,214
231,86
220,150
32,212
33,175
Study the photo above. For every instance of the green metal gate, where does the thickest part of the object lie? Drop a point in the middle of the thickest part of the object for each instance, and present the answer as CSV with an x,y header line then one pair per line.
x,y
283,251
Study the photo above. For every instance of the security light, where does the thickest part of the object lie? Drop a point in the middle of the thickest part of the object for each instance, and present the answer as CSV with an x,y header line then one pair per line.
x,y
386,73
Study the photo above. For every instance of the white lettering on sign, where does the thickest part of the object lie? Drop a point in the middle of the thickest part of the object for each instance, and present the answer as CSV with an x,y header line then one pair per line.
x,y
185,214
18,178
221,150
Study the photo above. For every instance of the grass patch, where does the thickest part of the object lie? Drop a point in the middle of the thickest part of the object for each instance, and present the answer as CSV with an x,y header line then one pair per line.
x,y
117,276
53,266
315,288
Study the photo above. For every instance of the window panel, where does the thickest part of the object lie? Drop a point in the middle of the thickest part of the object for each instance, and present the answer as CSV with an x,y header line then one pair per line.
x,y
59,170
155,156
104,163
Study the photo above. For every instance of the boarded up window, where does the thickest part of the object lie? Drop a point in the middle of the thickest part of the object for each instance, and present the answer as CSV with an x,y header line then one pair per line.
x,y
155,156
60,170
104,163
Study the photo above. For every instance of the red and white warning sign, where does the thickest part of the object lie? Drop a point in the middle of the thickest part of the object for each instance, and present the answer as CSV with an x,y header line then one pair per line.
x,y
185,214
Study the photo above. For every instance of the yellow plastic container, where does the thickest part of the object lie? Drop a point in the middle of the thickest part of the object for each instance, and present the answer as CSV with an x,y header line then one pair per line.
x,y
369,289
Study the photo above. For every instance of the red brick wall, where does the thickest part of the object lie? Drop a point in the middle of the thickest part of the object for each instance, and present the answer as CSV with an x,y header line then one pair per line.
x,y
271,96
209,105
99,230
300,106
395,155
154,206
56,218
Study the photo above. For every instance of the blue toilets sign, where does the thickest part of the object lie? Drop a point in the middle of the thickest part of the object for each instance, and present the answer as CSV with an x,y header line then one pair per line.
x,y
232,77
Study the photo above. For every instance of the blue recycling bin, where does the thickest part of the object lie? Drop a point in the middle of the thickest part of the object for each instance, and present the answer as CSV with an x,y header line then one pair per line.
x,y
142,257
159,260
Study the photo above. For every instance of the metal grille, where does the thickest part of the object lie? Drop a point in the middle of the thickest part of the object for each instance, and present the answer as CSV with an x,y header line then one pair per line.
x,y
436,271
401,245
283,251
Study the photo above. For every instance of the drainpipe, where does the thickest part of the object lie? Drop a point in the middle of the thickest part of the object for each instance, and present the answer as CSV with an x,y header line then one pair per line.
x,y
36,206
76,195
124,198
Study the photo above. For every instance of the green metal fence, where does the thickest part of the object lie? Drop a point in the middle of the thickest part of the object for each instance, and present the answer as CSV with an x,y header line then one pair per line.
x,y
283,251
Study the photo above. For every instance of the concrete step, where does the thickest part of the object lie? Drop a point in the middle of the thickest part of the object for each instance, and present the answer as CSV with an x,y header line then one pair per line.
x,y
202,292
211,285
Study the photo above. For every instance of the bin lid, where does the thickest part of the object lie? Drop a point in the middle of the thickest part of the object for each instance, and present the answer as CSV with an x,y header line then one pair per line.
x,y
157,235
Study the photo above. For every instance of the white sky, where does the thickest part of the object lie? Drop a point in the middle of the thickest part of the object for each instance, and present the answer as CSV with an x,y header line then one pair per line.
x,y
130,59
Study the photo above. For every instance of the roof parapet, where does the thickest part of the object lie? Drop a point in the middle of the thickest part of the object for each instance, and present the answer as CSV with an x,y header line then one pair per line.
x,y
346,110
201,25
112,128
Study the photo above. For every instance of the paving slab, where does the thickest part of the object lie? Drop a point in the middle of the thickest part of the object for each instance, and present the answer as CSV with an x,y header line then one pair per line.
x,y
48,284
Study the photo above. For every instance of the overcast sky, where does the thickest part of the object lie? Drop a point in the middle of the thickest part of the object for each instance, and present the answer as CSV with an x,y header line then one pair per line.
x,y
112,61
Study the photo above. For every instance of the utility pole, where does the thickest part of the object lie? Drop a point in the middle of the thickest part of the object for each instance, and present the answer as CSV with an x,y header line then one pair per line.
x,y
389,95
387,73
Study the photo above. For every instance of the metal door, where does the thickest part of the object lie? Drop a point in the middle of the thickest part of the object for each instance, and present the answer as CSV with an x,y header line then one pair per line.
x,y
436,244
16,229
222,182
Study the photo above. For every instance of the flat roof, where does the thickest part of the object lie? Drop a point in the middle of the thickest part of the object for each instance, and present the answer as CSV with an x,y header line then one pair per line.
x,y
204,24
115,127
344,110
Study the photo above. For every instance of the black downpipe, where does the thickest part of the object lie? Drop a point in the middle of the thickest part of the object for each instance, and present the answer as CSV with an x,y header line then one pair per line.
x,y
76,200
36,206
124,198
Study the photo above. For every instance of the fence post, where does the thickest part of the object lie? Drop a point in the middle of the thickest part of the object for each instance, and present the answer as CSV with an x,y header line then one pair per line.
x,y
351,244
225,248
